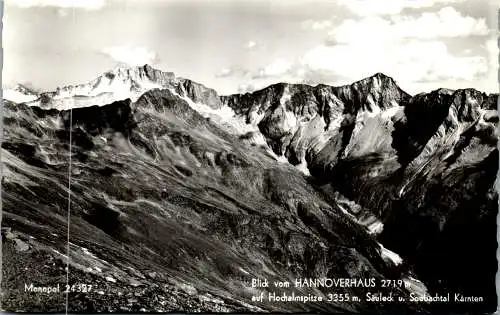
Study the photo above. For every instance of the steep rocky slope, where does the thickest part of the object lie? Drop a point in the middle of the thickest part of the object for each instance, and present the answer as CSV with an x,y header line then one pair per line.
x,y
168,213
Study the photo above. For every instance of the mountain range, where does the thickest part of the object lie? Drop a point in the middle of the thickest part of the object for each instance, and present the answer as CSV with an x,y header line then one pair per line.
x,y
184,195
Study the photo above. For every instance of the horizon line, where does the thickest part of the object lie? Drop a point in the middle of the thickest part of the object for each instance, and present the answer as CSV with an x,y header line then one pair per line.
x,y
130,67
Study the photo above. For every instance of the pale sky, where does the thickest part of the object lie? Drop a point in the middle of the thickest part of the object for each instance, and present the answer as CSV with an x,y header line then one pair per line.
x,y
240,45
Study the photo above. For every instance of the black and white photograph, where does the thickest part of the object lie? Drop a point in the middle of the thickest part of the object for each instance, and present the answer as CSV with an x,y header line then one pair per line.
x,y
249,156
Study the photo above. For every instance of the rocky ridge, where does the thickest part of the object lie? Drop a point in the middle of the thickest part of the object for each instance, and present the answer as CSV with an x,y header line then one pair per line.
x,y
376,153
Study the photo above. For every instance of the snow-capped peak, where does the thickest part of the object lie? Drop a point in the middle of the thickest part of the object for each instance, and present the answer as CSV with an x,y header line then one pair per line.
x,y
22,88
19,93
118,83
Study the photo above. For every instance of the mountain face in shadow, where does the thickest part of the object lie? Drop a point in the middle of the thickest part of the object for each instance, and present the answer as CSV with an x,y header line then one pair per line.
x,y
179,196
423,167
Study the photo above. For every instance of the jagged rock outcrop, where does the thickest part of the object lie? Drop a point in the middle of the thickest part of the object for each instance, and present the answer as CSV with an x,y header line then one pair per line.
x,y
299,121
199,93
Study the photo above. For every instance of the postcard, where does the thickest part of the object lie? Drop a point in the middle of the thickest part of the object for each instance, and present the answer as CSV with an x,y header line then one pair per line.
x,y
249,156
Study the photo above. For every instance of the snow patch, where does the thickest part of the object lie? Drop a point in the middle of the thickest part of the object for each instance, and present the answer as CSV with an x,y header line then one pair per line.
x,y
110,279
303,168
286,96
453,116
57,252
376,82
281,159
401,191
390,255
345,211
390,112
415,286
258,139
336,123
243,270
18,97
223,116
87,252
290,121
376,227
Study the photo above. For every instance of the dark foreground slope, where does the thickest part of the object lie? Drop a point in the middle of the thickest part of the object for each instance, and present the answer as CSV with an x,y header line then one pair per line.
x,y
168,213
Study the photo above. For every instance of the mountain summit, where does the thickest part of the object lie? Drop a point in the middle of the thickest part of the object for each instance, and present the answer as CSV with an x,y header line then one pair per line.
x,y
116,84
122,82
20,93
